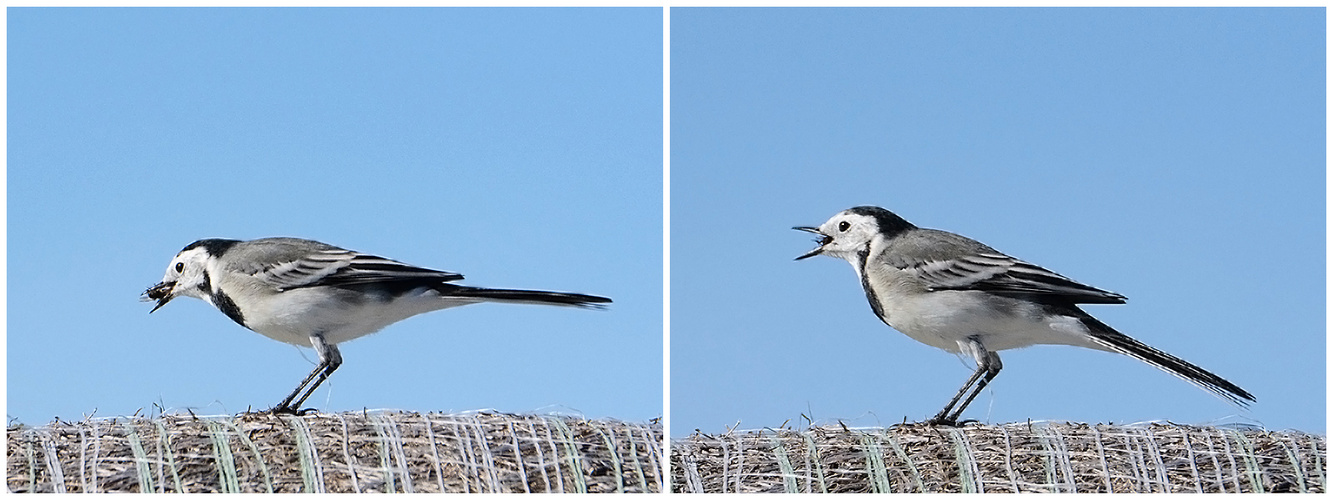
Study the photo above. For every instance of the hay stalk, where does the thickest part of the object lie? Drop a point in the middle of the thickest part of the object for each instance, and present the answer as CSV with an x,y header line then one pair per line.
x,y
1020,457
342,452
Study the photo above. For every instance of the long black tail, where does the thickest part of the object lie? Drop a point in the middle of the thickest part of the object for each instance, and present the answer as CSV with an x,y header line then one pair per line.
x,y
1121,343
527,296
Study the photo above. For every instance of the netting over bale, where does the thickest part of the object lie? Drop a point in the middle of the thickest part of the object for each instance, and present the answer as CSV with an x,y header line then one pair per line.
x,y
343,452
1020,457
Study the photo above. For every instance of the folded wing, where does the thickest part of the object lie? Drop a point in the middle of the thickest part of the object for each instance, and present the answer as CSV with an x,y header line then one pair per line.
x,y
1004,275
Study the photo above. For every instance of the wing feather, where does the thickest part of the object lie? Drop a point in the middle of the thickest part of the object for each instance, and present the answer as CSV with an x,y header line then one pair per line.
x,y
338,267
1004,275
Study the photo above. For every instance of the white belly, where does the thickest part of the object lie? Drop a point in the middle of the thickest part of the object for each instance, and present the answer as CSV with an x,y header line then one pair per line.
x,y
292,316
945,318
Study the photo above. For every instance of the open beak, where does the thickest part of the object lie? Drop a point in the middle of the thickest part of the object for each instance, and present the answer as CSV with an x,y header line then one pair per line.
x,y
823,240
160,292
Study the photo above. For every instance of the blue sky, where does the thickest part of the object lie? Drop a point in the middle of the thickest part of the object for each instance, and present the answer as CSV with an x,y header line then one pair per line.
x,y
1176,156
519,147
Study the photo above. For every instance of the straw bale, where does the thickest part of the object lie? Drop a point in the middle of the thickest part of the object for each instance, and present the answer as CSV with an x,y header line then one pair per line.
x,y
1019,457
339,452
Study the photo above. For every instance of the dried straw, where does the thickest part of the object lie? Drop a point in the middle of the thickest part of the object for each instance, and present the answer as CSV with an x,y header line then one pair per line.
x,y
1020,457
343,452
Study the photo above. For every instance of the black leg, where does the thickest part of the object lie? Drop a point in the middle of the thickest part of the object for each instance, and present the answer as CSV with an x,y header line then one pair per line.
x,y
942,418
284,406
992,367
329,360
988,366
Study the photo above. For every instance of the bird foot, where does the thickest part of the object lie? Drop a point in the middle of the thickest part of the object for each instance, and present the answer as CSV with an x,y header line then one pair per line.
x,y
287,410
942,421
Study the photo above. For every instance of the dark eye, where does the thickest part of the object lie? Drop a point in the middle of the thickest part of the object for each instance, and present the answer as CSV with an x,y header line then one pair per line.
x,y
842,226
180,266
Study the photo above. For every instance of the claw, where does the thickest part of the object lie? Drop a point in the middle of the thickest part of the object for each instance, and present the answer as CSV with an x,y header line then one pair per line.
x,y
287,410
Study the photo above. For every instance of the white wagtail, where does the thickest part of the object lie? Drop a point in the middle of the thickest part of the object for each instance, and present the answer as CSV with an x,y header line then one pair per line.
x,y
311,294
957,294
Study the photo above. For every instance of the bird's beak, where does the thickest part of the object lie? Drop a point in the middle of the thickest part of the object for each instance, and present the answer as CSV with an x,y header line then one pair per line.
x,y
160,292
823,240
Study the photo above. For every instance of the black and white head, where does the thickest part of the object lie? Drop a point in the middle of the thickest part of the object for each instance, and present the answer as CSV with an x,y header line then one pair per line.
x,y
188,274
851,230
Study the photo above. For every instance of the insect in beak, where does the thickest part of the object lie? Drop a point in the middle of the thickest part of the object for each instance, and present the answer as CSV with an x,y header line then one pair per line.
x,y
823,240
160,292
